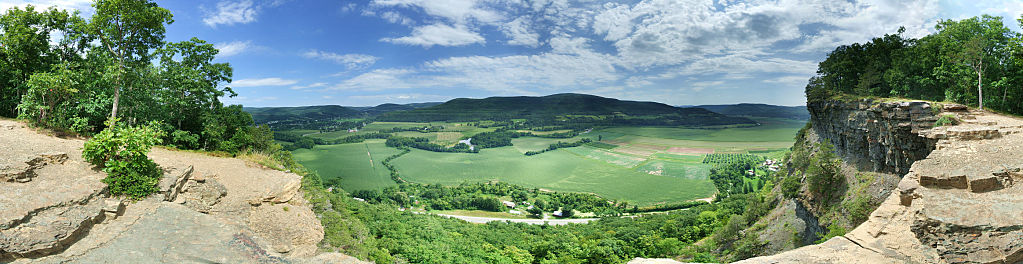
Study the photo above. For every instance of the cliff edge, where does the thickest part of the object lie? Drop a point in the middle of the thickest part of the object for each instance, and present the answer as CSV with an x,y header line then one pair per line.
x,y
957,202
54,209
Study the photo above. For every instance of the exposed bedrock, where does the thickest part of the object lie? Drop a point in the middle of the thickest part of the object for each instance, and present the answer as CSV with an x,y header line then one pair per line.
x,y
880,137
958,203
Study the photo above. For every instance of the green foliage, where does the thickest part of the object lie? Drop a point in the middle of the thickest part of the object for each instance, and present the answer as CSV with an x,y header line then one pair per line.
x,y
834,230
971,61
560,145
121,152
947,120
45,102
306,143
184,139
732,158
822,173
790,186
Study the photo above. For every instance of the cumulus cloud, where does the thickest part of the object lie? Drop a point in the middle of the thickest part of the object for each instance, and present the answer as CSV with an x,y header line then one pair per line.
x,y
457,11
314,85
440,35
351,61
633,48
232,12
573,65
232,48
274,81
519,33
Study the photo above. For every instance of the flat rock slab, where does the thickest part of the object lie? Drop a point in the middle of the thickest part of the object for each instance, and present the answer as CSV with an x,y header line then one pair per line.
x,y
176,234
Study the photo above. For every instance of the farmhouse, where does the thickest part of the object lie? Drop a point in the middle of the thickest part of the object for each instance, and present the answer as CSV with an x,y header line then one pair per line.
x,y
508,204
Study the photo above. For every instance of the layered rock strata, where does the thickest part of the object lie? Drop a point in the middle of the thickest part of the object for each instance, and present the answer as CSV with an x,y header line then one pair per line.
x,y
961,204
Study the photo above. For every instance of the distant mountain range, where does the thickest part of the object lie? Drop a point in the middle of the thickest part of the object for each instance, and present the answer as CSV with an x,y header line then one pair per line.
x,y
530,107
759,110
576,108
262,115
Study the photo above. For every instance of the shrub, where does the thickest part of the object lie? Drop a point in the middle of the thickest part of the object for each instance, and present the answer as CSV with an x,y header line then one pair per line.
x,y
184,140
834,230
121,151
946,120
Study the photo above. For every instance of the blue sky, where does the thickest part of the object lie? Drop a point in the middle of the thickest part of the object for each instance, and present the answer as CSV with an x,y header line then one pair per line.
x,y
358,53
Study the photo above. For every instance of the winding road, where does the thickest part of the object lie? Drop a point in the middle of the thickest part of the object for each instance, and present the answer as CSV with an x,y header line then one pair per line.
x,y
484,220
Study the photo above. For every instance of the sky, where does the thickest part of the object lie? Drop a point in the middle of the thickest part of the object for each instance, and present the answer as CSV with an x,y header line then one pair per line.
x,y
678,52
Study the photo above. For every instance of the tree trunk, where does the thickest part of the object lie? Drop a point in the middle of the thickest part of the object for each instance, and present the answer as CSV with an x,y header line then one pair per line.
x,y
117,98
980,89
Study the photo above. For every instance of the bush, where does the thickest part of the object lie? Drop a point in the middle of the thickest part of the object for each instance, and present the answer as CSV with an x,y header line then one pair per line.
x,y
184,140
121,151
790,186
946,120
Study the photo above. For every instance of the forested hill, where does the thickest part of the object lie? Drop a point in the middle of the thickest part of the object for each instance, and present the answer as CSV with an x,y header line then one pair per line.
x,y
563,106
318,112
262,115
760,110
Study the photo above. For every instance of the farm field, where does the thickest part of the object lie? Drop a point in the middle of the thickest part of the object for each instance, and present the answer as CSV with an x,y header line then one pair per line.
x,y
351,163
642,165
556,170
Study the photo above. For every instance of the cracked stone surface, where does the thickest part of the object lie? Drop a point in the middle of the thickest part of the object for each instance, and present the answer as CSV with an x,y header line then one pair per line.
x,y
959,205
50,204
204,215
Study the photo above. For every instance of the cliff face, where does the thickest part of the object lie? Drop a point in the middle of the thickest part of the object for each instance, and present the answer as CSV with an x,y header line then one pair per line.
x,y
958,200
877,137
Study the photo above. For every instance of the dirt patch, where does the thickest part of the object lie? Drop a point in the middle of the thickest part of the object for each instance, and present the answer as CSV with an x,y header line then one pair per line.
x,y
648,146
681,150
614,142
635,151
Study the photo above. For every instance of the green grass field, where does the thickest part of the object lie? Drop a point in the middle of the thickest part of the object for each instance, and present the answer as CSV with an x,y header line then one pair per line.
x,y
642,165
351,163
557,170
770,130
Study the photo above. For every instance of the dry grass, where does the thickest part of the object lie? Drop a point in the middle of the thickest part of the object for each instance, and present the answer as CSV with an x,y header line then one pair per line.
x,y
264,159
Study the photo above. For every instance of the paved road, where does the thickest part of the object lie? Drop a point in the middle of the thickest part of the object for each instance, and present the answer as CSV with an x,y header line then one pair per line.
x,y
483,220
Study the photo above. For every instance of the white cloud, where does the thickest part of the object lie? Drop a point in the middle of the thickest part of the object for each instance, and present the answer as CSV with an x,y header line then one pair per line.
x,y
314,85
262,82
232,48
439,34
232,12
743,63
351,61
379,79
349,7
397,18
795,80
520,34
368,100
571,65
457,11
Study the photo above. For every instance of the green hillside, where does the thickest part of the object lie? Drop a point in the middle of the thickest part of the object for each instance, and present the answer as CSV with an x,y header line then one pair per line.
x,y
760,110
262,115
563,107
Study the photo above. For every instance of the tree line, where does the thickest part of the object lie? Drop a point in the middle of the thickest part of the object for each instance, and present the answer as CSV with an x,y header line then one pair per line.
x,y
976,61
71,73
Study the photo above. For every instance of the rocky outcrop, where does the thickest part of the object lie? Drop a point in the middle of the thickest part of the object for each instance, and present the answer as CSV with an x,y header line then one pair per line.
x,y
49,197
22,168
55,209
960,204
875,136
